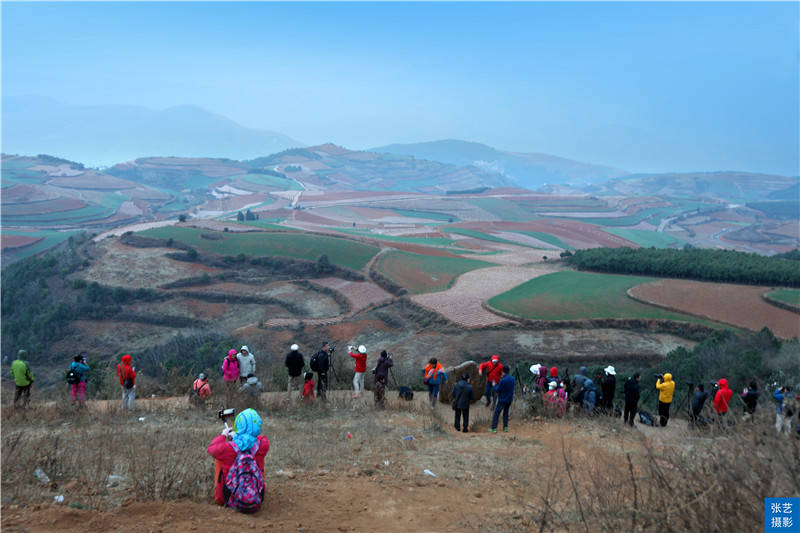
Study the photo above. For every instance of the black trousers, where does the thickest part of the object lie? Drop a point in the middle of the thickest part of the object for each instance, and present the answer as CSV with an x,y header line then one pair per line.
x,y
663,413
630,410
322,384
462,413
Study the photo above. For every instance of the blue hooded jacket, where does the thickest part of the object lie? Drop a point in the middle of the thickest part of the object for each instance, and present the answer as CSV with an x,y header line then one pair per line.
x,y
590,395
80,368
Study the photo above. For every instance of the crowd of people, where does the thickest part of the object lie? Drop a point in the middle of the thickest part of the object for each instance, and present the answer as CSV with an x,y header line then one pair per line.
x,y
239,451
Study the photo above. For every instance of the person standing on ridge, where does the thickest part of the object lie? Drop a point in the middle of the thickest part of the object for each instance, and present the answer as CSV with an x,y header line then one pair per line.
x,y
433,376
631,398
505,397
247,363
320,363
750,399
698,401
359,369
127,381
666,389
23,379
294,365
78,390
230,371
462,397
382,377
722,399
609,387
493,371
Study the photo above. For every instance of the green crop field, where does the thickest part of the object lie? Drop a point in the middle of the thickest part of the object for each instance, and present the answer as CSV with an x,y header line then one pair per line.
x,y
341,252
74,216
576,295
787,296
425,241
484,236
430,215
424,273
266,180
647,238
50,238
504,209
548,238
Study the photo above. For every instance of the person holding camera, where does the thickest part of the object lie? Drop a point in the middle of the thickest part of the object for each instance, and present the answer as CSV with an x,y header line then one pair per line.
x,y
462,397
666,388
80,367
750,399
360,368
698,401
722,399
320,363
382,377
243,439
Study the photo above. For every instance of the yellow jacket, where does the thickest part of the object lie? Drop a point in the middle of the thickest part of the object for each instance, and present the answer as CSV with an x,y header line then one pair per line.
x,y
665,388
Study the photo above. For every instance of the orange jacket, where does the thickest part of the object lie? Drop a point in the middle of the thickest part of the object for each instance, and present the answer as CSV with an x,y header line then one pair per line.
x,y
430,372
202,388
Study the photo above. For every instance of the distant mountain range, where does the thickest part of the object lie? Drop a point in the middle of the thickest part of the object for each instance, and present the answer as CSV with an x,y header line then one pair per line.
x,y
106,134
529,170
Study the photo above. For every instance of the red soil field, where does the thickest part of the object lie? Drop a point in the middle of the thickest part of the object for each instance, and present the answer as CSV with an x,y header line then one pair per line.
x,y
738,305
423,250
305,216
575,233
55,205
93,180
11,240
22,193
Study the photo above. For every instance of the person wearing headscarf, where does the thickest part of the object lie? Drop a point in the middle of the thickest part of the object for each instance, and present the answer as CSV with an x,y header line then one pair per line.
x,y
245,434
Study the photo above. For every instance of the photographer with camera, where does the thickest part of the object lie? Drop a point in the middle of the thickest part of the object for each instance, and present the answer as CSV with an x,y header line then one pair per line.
x,y
239,453
698,401
320,363
750,399
631,390
381,372
360,368
666,389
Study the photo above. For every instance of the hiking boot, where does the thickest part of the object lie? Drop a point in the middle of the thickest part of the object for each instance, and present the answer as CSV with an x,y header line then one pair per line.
x,y
466,430
458,428
492,430
505,430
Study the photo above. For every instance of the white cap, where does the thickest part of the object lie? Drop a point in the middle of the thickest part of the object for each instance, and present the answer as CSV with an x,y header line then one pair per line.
x,y
294,347
535,369
610,370
244,349
552,385
362,349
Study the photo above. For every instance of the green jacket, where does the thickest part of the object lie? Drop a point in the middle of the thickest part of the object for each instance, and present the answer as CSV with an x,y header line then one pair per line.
x,y
22,374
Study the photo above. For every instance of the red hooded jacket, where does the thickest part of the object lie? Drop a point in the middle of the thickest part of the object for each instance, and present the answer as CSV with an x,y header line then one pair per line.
x,y
308,390
126,371
492,371
723,397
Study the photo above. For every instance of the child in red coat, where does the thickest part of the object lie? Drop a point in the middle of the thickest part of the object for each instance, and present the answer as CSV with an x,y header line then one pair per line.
x,y
308,387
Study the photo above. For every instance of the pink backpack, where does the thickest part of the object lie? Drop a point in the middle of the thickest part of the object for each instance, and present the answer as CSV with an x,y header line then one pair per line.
x,y
245,481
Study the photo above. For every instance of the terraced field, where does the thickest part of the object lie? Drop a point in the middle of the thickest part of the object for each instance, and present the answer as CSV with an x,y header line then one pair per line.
x,y
341,252
424,273
577,295
647,239
787,296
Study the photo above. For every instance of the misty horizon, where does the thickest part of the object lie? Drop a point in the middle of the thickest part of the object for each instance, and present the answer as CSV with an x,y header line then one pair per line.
x,y
640,87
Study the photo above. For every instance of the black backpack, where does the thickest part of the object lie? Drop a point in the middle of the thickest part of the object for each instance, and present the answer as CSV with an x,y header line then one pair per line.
x,y
314,363
73,377
405,393
646,418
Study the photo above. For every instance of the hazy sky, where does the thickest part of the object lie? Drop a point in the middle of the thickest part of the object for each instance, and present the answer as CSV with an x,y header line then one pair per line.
x,y
642,86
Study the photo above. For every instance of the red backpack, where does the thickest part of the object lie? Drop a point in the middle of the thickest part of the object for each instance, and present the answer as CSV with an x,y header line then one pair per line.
x,y
245,481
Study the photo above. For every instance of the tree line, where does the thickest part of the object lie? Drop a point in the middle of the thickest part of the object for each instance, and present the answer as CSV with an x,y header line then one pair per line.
x,y
695,263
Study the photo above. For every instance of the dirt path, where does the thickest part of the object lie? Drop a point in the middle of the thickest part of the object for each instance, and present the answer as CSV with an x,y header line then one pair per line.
x,y
462,303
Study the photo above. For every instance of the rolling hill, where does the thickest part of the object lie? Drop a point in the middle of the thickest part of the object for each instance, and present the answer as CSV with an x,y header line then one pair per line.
x,y
106,134
530,170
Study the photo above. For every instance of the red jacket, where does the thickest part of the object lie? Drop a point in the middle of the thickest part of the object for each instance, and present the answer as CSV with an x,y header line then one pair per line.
x,y
361,361
308,390
723,397
222,451
126,371
493,372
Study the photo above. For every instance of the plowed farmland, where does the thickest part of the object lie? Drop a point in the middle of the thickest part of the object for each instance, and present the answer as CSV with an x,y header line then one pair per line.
x,y
424,273
739,305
